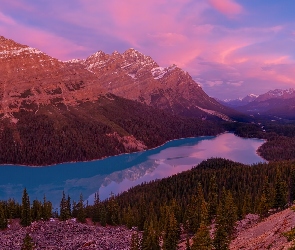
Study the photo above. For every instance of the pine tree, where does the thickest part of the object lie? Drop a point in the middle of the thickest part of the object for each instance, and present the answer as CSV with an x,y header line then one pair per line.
x,y
3,218
81,217
212,198
96,208
64,209
112,211
171,234
263,206
150,240
103,216
26,218
221,238
69,206
202,240
36,210
193,213
230,214
292,186
46,209
28,243
280,194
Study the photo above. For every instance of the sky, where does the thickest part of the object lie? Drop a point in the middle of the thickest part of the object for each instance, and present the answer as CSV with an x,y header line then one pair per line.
x,y
231,47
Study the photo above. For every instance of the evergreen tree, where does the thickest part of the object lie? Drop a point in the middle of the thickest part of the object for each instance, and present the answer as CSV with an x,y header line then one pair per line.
x,y
280,194
96,208
46,209
26,218
81,217
28,243
103,216
229,213
221,238
64,209
212,198
150,240
36,210
129,218
202,240
263,206
171,233
292,186
3,218
193,213
69,206
112,211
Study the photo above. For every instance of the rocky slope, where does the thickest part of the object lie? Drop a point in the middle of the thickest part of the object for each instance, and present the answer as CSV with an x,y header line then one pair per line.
x,y
135,76
30,78
67,235
267,234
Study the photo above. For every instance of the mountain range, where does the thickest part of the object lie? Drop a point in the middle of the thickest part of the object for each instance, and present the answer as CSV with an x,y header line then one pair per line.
x,y
53,111
30,78
278,102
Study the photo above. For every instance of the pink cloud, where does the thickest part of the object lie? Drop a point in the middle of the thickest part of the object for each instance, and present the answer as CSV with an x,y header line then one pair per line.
x,y
5,19
47,42
226,7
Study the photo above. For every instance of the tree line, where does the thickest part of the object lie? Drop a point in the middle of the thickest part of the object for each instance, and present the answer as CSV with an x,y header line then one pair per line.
x,y
217,190
91,131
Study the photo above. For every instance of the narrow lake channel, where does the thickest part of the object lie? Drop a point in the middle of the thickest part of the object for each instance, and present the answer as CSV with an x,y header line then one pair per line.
x,y
118,173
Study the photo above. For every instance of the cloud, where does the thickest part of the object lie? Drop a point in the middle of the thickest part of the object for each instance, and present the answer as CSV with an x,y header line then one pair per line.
x,y
214,83
227,7
52,44
225,55
6,20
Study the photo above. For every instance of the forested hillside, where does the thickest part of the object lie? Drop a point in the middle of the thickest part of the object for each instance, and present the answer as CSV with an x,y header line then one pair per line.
x,y
92,130
216,190
280,138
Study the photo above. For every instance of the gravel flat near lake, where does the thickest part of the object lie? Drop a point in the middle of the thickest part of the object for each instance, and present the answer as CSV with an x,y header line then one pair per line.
x,y
66,235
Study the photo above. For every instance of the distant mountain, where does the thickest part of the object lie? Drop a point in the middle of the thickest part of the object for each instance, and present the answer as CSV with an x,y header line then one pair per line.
x,y
280,103
238,102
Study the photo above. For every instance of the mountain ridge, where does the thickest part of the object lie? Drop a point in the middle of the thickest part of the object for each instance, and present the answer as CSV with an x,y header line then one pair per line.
x,y
31,78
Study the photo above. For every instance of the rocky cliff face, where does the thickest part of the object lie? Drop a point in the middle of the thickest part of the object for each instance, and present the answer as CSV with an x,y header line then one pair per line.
x,y
138,77
30,78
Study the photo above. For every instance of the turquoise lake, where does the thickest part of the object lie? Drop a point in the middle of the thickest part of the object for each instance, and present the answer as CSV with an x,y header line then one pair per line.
x,y
118,173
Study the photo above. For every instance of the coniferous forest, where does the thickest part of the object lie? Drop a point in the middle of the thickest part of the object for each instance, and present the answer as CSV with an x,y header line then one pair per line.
x,y
216,190
91,131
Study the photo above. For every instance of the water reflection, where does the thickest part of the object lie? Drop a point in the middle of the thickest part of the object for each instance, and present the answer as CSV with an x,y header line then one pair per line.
x,y
119,173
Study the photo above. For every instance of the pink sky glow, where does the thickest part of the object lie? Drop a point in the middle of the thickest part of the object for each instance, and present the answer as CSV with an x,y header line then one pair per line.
x,y
231,47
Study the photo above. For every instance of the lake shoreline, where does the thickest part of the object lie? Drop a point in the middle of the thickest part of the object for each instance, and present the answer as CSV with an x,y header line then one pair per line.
x,y
105,157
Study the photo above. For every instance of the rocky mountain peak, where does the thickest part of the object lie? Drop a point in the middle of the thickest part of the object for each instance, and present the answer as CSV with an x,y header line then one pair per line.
x,y
30,78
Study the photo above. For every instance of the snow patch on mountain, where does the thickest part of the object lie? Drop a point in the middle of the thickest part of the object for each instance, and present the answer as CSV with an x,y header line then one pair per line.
x,y
159,72
18,51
